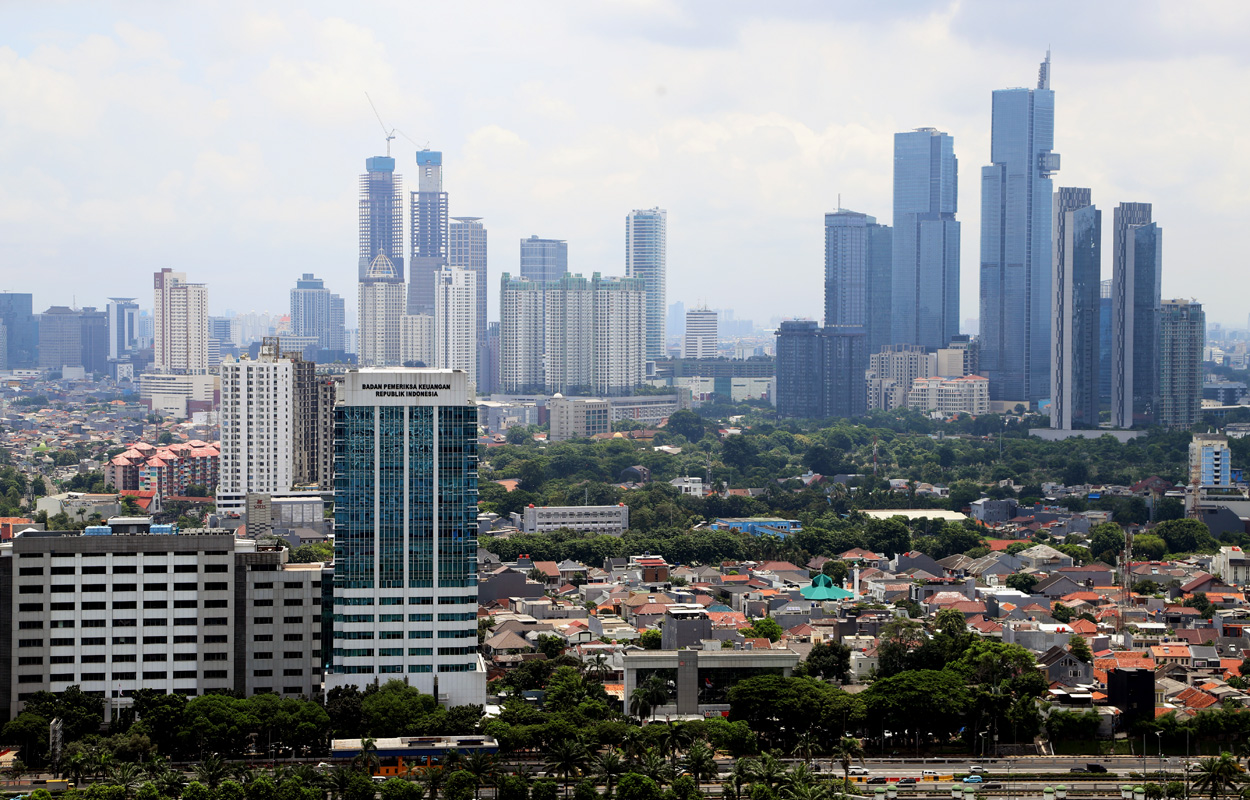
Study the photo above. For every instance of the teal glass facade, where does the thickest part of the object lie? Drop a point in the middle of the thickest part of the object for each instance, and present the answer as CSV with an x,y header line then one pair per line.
x,y
405,492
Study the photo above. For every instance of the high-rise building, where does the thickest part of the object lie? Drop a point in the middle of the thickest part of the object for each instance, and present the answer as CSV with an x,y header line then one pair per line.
x,y
405,507
1016,242
1104,344
257,406
544,260
418,347
95,340
857,274
21,330
522,335
207,591
455,321
925,279
892,371
969,394
428,229
381,213
1076,304
380,315
820,371
1210,460
123,327
180,335
961,356
646,248
317,312
60,338
467,249
488,361
1182,335
701,334
590,337
307,436
800,392
1136,297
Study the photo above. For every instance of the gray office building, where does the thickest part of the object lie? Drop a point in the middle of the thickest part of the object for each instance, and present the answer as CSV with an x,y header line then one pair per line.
x,y
21,329
317,313
857,275
925,293
1016,242
820,371
1136,300
428,231
1075,310
123,327
129,606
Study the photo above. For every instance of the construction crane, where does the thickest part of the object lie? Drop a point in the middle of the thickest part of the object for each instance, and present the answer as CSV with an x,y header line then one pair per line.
x,y
390,134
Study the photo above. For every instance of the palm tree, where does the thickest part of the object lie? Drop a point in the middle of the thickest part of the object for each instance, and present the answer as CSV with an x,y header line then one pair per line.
x,y
633,743
338,780
212,771
647,695
566,758
367,758
805,745
305,774
101,761
655,767
799,775
155,766
171,782
597,668
846,750
1217,775
769,771
16,770
482,767
700,762
673,739
241,773
127,775
75,766
739,777
431,780
606,767
806,791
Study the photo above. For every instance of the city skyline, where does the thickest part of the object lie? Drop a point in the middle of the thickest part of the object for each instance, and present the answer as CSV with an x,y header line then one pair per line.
x,y
743,174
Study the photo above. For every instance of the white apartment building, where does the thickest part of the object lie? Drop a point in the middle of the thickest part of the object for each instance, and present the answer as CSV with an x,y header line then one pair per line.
x,y
172,395
455,320
608,520
591,336
577,417
418,339
892,371
701,334
180,315
969,394
257,428
382,305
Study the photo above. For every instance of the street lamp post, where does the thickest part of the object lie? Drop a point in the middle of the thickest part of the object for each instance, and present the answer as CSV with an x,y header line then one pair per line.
x,y
1162,770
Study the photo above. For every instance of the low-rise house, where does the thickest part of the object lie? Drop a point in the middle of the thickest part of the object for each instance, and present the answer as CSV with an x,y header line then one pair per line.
x,y
1061,666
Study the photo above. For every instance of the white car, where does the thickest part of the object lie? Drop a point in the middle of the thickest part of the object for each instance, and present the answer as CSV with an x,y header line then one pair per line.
x,y
859,771
976,769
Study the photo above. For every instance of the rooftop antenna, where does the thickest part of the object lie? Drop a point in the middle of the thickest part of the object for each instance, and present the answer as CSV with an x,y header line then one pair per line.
x,y
389,134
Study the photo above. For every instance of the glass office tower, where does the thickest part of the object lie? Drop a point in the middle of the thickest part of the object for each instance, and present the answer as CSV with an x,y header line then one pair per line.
x,y
1016,242
646,257
925,280
857,275
1136,297
1075,310
405,520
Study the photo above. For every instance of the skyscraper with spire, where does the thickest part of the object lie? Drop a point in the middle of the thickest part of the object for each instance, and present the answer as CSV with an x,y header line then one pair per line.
x,y
1016,191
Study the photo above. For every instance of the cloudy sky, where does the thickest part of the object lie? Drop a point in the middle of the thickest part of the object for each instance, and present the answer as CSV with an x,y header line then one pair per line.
x,y
226,141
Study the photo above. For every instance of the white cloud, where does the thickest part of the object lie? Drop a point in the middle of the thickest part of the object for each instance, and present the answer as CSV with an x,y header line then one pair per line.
x,y
229,145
